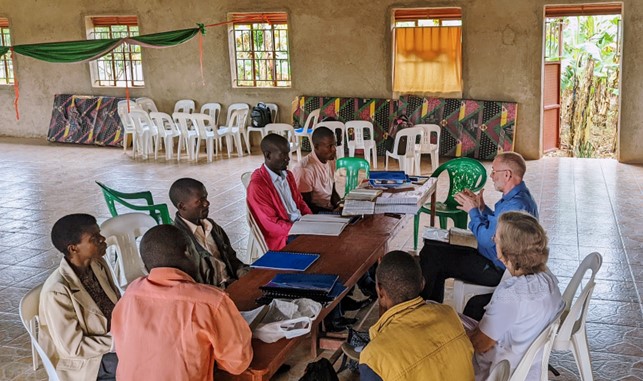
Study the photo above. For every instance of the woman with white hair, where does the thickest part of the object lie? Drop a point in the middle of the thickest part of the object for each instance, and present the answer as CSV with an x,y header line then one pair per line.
x,y
522,305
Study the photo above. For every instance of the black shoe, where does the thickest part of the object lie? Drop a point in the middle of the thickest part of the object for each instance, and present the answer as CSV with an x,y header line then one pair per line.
x,y
339,324
368,289
350,304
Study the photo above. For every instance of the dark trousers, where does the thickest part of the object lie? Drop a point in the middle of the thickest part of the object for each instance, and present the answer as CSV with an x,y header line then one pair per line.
x,y
107,370
440,261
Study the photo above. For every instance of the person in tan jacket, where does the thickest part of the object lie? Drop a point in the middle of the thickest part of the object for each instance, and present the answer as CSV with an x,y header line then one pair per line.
x,y
76,303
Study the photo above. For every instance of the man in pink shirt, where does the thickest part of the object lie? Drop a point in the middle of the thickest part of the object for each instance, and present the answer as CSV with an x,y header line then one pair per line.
x,y
273,198
168,327
315,173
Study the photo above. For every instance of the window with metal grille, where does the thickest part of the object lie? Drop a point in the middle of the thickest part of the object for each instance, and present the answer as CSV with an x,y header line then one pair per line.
x,y
6,65
122,67
259,50
427,17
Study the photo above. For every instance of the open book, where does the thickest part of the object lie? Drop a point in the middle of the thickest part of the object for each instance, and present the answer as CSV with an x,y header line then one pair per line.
x,y
320,224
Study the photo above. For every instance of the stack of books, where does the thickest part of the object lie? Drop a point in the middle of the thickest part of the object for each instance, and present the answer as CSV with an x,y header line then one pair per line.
x,y
398,195
318,287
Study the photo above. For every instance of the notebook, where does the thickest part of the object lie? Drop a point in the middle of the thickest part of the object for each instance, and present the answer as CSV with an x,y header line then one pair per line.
x,y
283,260
269,295
302,284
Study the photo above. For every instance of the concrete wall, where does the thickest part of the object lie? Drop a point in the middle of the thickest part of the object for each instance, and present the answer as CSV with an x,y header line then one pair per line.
x,y
338,48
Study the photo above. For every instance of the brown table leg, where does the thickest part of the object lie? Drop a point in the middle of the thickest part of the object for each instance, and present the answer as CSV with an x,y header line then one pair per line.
x,y
314,333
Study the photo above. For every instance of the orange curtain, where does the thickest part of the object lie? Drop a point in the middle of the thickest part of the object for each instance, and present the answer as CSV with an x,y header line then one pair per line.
x,y
428,61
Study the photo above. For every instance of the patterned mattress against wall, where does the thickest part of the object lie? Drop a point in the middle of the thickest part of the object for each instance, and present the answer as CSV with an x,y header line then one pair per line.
x,y
85,120
380,112
472,128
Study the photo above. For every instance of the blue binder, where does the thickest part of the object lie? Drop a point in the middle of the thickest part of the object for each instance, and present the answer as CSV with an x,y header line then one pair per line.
x,y
387,179
304,284
283,260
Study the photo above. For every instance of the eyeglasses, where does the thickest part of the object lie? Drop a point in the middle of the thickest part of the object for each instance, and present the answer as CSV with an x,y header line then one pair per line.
x,y
493,171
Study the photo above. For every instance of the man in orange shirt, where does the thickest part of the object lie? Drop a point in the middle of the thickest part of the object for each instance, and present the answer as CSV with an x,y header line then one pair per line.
x,y
315,173
168,327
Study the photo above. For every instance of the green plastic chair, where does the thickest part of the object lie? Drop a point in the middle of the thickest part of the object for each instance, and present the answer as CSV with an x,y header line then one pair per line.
x,y
158,211
352,165
464,173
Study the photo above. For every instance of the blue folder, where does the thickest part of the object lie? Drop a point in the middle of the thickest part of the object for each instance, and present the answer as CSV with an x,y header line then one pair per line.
x,y
313,284
282,260
387,179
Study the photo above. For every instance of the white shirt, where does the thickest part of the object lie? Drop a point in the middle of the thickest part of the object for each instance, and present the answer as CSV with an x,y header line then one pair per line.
x,y
283,189
520,308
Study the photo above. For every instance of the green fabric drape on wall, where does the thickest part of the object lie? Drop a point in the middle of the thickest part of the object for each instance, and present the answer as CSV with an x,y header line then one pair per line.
x,y
68,51
87,50
163,39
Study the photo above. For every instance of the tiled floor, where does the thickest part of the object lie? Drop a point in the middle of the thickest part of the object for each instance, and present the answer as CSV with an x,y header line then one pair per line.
x,y
585,205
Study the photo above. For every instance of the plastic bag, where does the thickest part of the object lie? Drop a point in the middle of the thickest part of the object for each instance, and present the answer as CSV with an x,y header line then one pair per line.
x,y
287,318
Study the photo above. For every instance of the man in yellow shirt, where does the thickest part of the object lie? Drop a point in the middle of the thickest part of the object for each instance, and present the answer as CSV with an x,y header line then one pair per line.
x,y
413,339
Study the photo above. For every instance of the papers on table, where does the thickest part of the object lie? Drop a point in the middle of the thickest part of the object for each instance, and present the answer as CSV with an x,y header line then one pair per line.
x,y
319,224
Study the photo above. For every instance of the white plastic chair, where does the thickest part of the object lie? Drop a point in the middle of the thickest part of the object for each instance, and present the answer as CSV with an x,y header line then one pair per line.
x,y
29,306
167,131
213,109
409,160
189,134
147,104
274,111
427,147
287,131
339,129
540,349
128,125
242,125
236,124
256,243
463,292
307,129
358,141
206,130
500,372
122,231
572,335
147,139
184,105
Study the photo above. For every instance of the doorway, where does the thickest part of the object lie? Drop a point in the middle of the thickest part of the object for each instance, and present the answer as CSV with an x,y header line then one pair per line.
x,y
581,79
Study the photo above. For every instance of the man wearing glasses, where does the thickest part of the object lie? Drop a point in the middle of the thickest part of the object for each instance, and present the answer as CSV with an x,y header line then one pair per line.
x,y
481,266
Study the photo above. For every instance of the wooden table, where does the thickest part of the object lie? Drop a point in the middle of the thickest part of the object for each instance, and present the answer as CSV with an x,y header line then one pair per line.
x,y
349,255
